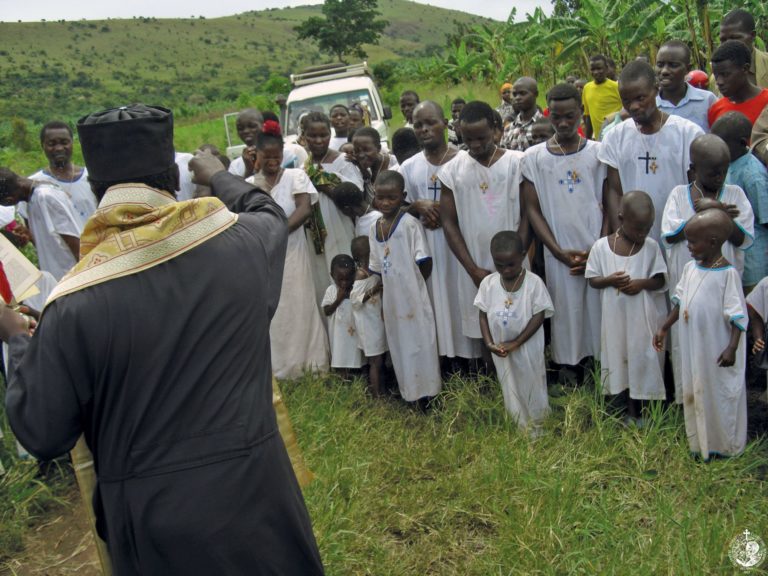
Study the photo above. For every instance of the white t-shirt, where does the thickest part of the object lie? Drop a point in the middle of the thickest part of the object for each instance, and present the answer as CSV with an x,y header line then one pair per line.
x,y
51,216
83,200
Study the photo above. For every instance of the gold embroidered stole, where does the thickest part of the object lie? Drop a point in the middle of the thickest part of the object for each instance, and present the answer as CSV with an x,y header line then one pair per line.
x,y
137,227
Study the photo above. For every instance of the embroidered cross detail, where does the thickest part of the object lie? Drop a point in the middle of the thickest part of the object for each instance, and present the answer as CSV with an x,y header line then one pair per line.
x,y
483,187
572,180
650,164
434,187
505,315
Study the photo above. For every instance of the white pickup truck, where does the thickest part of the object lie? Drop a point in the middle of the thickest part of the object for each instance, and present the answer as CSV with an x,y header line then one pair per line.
x,y
319,89
322,87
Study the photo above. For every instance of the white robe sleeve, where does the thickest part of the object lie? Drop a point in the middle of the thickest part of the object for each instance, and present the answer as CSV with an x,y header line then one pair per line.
x,y
734,309
59,215
608,153
482,298
672,221
541,299
330,295
594,267
527,165
447,175
757,298
745,220
677,293
374,260
303,185
657,264
419,247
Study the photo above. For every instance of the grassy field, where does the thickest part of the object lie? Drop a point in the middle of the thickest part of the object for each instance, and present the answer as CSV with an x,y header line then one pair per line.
x,y
73,67
462,492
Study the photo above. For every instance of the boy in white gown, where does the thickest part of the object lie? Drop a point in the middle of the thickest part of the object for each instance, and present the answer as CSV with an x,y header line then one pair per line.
x,y
650,150
400,255
629,271
480,195
422,187
513,303
710,158
563,193
709,306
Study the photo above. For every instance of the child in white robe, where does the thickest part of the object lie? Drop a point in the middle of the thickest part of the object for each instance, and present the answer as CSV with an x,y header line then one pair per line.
x,y
710,162
712,314
513,304
629,270
338,309
366,309
400,256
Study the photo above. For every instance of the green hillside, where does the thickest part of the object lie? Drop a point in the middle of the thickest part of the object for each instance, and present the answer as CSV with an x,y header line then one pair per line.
x,y
64,69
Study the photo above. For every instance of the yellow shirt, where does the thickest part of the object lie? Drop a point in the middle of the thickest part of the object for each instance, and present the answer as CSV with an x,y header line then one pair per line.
x,y
599,100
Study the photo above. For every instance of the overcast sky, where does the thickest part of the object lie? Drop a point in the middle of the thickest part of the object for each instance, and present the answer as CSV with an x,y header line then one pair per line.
x,y
35,10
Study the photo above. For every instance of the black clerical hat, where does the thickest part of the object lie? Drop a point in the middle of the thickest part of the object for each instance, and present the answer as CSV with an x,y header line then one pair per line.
x,y
127,142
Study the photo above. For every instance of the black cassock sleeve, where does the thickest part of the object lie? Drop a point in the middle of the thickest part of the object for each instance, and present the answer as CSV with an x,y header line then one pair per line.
x,y
43,405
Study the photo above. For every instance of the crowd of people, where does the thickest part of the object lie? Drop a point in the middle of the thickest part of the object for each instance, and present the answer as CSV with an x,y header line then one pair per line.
x,y
623,198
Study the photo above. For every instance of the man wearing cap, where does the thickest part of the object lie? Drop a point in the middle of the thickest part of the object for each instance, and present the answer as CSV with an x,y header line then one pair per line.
x,y
156,348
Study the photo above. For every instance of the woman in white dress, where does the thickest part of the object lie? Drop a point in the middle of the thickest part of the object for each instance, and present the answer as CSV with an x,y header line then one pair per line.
x,y
297,335
329,232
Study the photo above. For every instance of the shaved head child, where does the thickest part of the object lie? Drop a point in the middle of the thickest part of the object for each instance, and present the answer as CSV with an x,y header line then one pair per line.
x,y
512,304
708,304
751,175
629,270
710,160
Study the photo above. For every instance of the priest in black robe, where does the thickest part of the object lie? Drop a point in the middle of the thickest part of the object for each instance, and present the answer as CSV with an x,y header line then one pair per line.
x,y
156,348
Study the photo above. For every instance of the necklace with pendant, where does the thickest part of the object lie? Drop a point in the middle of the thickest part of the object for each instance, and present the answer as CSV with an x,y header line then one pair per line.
x,y
484,184
686,316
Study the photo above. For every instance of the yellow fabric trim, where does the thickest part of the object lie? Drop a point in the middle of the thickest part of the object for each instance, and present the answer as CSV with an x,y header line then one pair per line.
x,y
137,227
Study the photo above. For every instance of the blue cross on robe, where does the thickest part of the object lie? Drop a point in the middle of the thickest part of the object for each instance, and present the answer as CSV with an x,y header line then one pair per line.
x,y
505,315
434,187
572,180
386,264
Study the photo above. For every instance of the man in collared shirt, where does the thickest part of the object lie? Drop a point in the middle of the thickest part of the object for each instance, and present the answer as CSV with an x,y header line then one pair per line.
x,y
740,25
676,96
519,134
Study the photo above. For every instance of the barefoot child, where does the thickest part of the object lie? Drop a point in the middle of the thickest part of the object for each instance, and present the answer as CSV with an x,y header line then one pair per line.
x,y
709,160
709,303
513,303
366,309
399,255
338,308
629,270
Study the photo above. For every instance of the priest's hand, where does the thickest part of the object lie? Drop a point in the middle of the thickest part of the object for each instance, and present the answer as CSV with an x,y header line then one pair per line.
x,y
203,166
12,323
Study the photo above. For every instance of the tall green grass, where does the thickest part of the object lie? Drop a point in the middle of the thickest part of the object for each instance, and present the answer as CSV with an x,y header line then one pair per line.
x,y
23,494
461,491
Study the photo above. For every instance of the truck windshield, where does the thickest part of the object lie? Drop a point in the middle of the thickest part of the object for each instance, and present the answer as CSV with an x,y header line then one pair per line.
x,y
324,104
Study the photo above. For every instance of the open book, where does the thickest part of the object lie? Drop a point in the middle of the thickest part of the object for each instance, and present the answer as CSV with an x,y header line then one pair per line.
x,y
21,273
